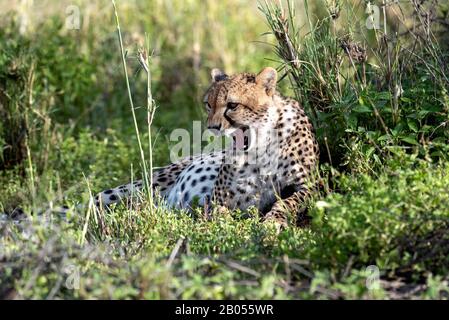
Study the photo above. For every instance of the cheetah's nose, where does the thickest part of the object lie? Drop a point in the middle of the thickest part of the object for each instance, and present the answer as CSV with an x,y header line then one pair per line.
x,y
214,126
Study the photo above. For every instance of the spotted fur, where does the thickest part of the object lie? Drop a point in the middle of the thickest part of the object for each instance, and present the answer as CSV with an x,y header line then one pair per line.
x,y
286,151
273,173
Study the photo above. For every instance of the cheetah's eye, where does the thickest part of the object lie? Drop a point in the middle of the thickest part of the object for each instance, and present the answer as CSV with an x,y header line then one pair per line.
x,y
208,107
232,105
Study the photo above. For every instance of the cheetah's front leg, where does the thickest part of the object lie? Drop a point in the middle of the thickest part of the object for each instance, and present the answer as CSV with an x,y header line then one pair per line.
x,y
294,204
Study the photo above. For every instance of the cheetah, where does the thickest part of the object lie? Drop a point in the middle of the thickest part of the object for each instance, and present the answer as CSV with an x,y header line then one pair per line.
x,y
270,164
275,172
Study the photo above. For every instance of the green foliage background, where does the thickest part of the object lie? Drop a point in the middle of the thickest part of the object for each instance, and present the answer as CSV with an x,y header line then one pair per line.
x,y
66,130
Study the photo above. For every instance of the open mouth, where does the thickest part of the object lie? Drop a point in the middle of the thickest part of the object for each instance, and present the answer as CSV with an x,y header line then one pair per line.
x,y
241,138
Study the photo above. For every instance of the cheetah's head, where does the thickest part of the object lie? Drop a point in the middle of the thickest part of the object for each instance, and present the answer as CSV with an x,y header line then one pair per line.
x,y
240,101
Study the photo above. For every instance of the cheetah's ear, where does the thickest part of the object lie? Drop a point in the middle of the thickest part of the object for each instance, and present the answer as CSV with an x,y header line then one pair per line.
x,y
218,75
267,78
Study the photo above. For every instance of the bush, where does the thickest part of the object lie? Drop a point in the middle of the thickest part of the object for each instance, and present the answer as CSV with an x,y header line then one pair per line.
x,y
397,221
365,98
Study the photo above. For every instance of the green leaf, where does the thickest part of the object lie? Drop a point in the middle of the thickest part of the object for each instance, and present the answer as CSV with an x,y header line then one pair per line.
x,y
362,109
370,151
384,95
412,124
410,139
405,99
384,137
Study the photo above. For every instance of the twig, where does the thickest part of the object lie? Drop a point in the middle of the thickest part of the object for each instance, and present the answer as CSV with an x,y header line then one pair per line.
x,y
237,266
175,250
125,70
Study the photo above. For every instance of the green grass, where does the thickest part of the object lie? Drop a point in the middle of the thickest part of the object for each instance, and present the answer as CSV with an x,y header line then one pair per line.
x,y
66,127
399,225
